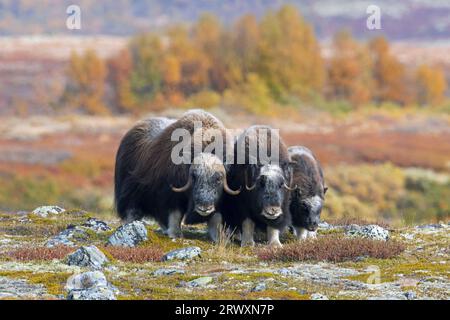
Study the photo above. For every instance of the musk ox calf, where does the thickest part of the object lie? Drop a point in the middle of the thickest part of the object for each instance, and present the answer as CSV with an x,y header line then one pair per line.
x,y
306,200
156,177
262,166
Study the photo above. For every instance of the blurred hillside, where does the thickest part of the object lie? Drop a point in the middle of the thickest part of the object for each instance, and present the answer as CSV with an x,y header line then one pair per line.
x,y
406,19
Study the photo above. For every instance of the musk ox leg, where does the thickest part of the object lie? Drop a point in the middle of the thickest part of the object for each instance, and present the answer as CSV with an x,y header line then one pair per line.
x,y
303,233
174,225
214,226
273,235
248,229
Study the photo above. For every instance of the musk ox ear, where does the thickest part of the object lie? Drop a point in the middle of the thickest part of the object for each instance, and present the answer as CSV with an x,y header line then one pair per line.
x,y
325,189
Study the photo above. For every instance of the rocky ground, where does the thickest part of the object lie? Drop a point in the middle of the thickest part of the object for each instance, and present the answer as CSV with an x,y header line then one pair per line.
x,y
52,253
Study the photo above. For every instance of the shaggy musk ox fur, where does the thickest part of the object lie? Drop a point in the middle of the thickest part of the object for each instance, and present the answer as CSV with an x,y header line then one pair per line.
x,y
263,203
307,198
150,183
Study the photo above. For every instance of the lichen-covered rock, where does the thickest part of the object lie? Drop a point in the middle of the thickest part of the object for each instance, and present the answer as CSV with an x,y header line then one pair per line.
x,y
129,235
67,237
20,289
199,282
371,231
89,286
318,296
259,287
183,254
96,225
45,211
96,293
167,271
90,257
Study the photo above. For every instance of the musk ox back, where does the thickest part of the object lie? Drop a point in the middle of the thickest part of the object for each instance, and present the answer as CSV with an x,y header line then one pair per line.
x,y
131,148
172,177
307,198
262,166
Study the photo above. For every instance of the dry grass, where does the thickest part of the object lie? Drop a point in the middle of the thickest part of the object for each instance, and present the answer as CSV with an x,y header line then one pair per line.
x,y
135,255
39,253
345,221
333,248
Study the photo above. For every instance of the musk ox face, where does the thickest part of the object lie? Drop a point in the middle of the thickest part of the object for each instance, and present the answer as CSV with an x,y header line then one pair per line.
x,y
206,182
306,209
270,190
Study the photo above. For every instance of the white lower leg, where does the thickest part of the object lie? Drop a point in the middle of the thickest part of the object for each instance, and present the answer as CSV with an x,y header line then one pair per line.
x,y
273,236
301,233
174,225
214,226
248,229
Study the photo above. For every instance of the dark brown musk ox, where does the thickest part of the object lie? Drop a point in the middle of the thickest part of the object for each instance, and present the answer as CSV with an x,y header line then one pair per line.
x,y
174,172
307,198
262,165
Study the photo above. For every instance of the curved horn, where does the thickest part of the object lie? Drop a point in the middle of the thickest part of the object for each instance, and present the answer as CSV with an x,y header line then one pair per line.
x,y
185,187
246,183
228,189
291,179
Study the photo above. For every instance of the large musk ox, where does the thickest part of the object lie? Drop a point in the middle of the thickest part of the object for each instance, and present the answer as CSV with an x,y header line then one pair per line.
x,y
307,198
262,166
174,172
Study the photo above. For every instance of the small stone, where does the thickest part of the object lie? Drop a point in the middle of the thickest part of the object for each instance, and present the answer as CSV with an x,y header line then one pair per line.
x,y
45,211
259,287
89,286
67,237
89,256
371,231
96,293
96,225
199,282
410,295
182,254
86,280
129,235
167,272
318,296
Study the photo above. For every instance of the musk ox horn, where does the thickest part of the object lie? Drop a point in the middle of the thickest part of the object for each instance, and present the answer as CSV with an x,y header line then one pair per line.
x,y
185,187
228,189
289,187
246,183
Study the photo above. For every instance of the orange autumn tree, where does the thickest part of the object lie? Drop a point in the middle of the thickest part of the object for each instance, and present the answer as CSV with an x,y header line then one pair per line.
x,y
120,68
431,85
349,71
289,55
86,85
389,79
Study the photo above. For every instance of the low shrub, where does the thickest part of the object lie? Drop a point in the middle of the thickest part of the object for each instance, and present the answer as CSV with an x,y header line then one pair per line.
x,y
332,248
136,255
39,253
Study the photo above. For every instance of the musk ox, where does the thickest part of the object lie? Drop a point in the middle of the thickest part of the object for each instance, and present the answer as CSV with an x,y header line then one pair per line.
x,y
263,203
157,178
306,200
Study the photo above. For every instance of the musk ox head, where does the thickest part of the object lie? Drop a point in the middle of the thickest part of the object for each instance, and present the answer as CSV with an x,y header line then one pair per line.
x,y
206,181
269,187
307,198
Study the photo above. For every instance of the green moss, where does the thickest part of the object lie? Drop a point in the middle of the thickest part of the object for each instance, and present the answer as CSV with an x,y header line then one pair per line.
x,y
54,282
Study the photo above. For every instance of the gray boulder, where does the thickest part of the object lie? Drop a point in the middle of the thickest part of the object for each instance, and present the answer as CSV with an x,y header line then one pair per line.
x,y
90,257
199,282
45,211
96,225
371,231
68,237
259,287
318,296
89,286
182,254
167,272
129,235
